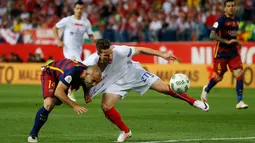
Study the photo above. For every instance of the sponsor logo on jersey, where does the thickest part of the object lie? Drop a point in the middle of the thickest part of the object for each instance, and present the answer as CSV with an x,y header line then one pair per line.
x,y
232,32
231,23
77,24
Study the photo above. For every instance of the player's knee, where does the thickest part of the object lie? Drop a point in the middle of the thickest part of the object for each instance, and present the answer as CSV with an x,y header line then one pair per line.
x,y
238,73
218,78
106,107
49,103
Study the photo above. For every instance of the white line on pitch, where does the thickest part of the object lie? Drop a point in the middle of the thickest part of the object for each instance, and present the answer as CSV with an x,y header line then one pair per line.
x,y
202,139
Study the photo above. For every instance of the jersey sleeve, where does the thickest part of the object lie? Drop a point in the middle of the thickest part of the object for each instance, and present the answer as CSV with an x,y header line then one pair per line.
x,y
218,25
62,23
126,51
91,60
68,76
89,28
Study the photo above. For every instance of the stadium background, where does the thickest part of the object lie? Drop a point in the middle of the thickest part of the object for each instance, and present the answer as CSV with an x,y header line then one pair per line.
x,y
181,26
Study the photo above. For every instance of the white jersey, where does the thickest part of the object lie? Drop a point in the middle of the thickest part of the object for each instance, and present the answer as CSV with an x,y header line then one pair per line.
x,y
121,63
74,31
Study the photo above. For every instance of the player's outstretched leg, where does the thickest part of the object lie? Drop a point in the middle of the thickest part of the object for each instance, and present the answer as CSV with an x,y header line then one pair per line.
x,y
40,118
162,87
239,89
113,115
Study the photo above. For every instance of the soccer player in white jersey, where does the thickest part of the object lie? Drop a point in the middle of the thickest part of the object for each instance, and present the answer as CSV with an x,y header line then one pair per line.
x,y
74,29
121,74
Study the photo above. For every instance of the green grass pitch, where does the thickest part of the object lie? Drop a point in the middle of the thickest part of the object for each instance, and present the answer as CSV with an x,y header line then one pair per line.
x,y
152,117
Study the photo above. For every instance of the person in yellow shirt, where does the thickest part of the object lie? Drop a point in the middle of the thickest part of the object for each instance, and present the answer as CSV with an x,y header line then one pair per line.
x,y
17,26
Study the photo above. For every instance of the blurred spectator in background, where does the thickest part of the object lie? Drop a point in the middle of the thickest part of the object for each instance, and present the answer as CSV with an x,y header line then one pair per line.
x,y
3,59
39,58
15,58
35,58
129,20
31,58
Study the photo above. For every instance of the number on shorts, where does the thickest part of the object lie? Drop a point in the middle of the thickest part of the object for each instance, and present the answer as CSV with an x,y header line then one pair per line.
x,y
146,76
51,84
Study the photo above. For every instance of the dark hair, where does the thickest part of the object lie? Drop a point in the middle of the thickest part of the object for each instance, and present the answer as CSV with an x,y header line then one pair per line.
x,y
79,2
103,44
226,1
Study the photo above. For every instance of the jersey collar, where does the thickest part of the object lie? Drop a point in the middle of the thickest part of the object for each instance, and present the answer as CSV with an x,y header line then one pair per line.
x,y
229,16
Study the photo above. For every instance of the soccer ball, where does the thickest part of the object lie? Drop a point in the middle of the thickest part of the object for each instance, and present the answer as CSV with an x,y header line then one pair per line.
x,y
179,83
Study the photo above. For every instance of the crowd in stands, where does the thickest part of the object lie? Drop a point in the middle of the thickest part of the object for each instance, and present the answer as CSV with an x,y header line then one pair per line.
x,y
130,20
15,58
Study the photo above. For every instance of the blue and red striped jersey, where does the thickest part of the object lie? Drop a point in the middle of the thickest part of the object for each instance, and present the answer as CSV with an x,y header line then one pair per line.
x,y
67,71
226,28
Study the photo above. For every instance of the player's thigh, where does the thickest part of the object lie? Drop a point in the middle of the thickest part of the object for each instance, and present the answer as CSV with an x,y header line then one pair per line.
x,y
109,100
48,84
220,66
143,81
118,89
73,54
238,72
236,66
160,86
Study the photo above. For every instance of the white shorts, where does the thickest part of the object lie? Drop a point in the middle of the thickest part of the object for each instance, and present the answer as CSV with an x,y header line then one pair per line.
x,y
136,78
74,54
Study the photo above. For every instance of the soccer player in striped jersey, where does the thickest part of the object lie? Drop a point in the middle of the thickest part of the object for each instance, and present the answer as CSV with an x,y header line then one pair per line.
x,y
75,26
56,78
226,53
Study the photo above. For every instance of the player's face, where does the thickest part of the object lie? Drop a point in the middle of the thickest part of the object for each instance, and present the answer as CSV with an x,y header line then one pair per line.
x,y
230,8
106,55
92,80
78,9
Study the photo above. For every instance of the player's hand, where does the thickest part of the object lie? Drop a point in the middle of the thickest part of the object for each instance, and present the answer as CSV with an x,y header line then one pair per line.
x,y
80,109
239,45
169,56
87,99
232,41
60,44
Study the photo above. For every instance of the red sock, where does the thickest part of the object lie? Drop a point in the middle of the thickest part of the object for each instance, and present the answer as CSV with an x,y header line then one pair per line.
x,y
182,96
115,118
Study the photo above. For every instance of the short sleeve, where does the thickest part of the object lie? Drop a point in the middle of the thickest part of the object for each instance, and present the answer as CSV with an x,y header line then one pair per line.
x,y
89,28
68,76
62,23
126,51
91,60
217,25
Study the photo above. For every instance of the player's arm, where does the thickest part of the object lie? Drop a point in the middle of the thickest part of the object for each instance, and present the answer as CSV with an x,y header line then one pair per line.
x,y
87,98
61,24
62,88
60,93
151,52
90,33
57,37
214,36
